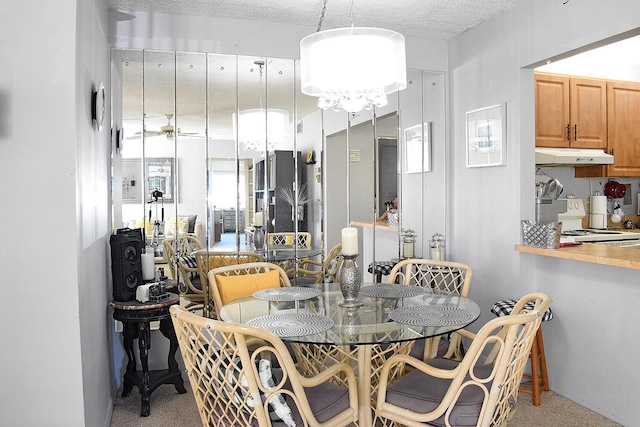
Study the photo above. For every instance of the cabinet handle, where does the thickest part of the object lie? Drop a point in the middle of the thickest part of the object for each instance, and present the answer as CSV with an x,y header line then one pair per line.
x,y
568,132
575,132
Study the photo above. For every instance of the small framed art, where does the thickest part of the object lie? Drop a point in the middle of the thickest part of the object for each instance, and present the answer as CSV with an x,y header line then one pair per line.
x,y
486,136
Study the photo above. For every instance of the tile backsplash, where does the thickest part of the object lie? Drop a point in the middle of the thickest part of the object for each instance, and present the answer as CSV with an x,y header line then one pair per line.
x,y
584,187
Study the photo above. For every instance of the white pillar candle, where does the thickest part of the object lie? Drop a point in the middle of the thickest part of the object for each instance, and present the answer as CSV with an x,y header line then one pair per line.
x,y
257,219
148,265
349,241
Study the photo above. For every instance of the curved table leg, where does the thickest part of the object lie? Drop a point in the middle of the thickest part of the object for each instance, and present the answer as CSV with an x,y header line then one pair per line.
x,y
166,327
129,333
145,388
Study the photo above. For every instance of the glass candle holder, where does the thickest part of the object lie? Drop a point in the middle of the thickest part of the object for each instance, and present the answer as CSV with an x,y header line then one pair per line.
x,y
350,282
258,238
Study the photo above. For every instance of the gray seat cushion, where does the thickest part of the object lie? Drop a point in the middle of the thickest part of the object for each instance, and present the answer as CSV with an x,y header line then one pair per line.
x,y
305,281
422,393
418,349
326,401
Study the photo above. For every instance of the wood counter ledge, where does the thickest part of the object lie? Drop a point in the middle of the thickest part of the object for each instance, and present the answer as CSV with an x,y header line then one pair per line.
x,y
590,252
380,225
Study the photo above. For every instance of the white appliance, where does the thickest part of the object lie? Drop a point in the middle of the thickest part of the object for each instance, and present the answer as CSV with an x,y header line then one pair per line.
x,y
572,227
572,156
572,218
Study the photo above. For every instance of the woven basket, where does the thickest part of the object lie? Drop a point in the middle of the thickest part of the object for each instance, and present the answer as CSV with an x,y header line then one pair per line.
x,y
541,235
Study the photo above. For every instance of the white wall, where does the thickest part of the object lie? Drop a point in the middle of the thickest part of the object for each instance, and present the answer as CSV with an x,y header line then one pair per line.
x,y
487,204
93,213
586,347
54,217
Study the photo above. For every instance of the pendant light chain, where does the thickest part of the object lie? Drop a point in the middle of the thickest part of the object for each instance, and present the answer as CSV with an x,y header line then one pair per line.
x,y
260,64
351,12
324,9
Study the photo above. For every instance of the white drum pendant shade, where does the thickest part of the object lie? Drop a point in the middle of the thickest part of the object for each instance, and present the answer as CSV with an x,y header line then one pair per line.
x,y
251,128
352,68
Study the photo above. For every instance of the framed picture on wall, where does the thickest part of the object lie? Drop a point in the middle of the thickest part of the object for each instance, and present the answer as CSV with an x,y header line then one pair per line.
x,y
132,187
418,148
486,136
160,175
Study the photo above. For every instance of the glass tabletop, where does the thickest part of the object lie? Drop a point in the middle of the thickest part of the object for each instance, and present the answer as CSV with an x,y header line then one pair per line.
x,y
273,253
384,317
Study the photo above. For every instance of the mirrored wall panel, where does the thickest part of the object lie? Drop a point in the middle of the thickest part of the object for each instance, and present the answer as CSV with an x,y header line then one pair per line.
x,y
224,154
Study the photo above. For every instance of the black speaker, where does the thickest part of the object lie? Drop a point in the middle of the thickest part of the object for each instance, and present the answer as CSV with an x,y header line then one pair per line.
x,y
126,263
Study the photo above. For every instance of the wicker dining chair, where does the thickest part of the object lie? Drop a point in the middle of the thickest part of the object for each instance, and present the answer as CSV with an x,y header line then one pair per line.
x,y
479,390
310,272
234,281
206,261
182,263
234,384
440,276
288,238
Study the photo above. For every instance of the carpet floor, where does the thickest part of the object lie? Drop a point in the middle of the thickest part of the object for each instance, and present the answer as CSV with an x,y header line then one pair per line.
x,y
170,409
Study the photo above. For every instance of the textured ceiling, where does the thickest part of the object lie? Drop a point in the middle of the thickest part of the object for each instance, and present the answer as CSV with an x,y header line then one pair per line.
x,y
436,19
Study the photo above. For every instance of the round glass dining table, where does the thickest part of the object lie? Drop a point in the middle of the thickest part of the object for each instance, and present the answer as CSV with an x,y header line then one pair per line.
x,y
322,332
272,253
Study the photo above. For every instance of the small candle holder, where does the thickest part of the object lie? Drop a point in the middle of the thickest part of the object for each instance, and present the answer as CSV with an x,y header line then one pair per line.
x,y
350,282
350,324
258,238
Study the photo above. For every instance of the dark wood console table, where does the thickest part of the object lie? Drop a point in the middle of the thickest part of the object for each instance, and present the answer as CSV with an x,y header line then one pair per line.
x,y
135,318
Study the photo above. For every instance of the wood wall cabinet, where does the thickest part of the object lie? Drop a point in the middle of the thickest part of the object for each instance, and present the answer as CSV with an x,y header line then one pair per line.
x,y
623,128
623,103
571,112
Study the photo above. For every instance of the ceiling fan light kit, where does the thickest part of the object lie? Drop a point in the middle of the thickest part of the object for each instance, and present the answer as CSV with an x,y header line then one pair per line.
x,y
352,68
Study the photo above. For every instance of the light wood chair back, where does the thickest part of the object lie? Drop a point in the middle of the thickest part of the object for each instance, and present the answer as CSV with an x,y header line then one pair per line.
x,y
507,340
301,239
237,270
444,276
207,261
224,375
183,265
326,272
441,276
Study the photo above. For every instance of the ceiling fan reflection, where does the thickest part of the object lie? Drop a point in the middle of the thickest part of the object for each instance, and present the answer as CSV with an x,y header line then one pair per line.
x,y
167,130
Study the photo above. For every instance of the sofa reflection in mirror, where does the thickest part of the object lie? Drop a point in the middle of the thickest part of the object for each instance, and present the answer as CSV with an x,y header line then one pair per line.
x,y
183,225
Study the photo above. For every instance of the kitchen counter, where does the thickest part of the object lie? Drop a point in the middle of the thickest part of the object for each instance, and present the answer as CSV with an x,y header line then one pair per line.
x,y
590,252
380,225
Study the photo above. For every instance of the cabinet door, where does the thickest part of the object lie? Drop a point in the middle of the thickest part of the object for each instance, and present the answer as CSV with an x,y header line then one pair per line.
x,y
588,113
552,110
623,101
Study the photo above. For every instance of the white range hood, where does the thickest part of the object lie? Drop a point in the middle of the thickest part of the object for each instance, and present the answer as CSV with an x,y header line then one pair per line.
x,y
572,157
